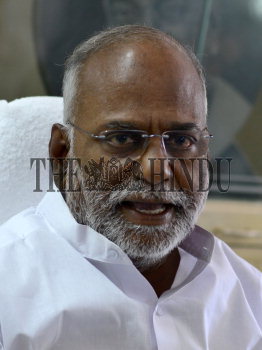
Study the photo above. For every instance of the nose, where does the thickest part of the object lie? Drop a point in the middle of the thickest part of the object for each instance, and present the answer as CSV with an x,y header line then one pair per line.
x,y
155,164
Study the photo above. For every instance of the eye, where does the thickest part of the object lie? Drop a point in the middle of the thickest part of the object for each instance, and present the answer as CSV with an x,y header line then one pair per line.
x,y
121,139
183,141
180,141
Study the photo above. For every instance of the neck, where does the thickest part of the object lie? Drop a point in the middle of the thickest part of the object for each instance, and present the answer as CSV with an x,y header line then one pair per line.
x,y
161,276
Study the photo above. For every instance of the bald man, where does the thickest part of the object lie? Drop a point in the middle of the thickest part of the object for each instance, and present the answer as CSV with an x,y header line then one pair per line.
x,y
121,264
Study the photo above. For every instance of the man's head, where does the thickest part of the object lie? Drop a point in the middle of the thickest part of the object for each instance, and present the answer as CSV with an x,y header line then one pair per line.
x,y
136,78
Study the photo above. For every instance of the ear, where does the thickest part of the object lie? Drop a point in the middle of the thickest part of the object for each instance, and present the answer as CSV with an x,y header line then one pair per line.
x,y
59,144
58,149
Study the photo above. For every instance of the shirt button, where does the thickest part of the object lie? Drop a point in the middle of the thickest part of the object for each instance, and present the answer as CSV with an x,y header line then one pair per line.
x,y
159,311
113,254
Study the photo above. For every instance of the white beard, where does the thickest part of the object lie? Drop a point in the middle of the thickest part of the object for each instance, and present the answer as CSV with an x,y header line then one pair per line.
x,y
145,245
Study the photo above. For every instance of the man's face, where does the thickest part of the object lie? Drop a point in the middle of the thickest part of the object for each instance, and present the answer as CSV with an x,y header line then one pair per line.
x,y
149,86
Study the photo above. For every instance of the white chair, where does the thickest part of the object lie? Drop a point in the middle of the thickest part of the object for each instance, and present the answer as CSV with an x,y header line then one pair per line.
x,y
25,126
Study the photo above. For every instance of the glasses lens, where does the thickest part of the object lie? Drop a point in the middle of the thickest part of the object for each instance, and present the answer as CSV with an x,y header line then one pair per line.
x,y
123,143
185,144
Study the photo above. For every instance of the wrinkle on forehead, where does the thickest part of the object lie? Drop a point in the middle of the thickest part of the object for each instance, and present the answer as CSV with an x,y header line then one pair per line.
x,y
127,63
133,75
123,63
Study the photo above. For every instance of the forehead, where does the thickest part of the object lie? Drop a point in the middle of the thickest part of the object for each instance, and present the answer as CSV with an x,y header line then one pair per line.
x,y
146,80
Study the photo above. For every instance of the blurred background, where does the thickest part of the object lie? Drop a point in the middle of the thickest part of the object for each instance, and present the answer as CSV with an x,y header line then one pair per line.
x,y
37,35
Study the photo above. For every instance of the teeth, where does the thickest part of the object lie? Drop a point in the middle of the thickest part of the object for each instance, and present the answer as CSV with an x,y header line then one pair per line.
x,y
151,211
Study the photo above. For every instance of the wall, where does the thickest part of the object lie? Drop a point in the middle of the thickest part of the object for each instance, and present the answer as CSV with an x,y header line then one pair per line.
x,y
18,68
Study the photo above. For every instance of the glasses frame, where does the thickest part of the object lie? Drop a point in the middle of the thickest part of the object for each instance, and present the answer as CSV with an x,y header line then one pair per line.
x,y
145,135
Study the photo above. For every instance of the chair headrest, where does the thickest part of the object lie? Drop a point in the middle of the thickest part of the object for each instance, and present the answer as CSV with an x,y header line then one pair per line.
x,y
25,126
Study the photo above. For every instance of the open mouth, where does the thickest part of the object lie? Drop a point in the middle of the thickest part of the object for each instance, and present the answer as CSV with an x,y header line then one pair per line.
x,y
148,208
143,212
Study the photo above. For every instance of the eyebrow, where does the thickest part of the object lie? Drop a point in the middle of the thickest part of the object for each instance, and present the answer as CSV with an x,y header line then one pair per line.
x,y
127,125
184,126
120,125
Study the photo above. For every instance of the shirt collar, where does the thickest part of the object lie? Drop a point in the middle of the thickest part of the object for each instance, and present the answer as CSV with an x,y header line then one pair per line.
x,y
93,245
83,238
200,244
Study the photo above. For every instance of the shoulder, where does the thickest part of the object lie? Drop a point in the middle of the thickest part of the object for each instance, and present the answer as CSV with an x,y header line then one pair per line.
x,y
17,227
19,235
240,267
29,247
237,272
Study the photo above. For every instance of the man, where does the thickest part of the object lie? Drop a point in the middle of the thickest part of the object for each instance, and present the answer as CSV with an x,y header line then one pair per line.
x,y
122,265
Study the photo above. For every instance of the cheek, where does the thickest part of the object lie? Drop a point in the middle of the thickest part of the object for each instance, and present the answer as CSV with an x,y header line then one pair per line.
x,y
100,171
86,151
103,173
191,174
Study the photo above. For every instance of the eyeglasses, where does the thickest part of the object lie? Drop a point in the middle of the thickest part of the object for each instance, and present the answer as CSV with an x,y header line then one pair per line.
x,y
132,143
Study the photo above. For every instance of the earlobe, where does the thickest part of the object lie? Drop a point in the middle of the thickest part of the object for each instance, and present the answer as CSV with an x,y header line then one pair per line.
x,y
58,150
59,143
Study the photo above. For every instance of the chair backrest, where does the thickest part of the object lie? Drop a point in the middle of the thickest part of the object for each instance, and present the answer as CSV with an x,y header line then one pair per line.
x,y
25,126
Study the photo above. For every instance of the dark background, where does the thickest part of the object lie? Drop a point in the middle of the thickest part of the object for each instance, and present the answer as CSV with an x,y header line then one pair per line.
x,y
37,36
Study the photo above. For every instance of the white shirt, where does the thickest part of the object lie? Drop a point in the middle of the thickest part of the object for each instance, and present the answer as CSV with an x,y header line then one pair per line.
x,y
66,287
